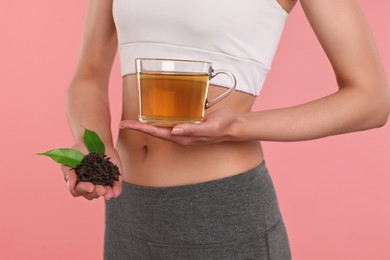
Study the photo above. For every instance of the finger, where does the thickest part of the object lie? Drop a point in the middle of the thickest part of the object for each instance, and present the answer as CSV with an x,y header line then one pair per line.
x,y
160,132
109,193
100,190
66,171
83,188
200,130
184,136
117,188
129,124
70,178
91,196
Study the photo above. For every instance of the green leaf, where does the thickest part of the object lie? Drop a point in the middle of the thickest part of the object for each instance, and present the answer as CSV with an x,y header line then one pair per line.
x,y
93,142
67,156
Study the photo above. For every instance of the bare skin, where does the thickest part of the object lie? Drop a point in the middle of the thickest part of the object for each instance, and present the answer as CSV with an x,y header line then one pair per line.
x,y
227,142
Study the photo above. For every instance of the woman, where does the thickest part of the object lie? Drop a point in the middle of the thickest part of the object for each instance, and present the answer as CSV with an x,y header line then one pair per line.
x,y
202,191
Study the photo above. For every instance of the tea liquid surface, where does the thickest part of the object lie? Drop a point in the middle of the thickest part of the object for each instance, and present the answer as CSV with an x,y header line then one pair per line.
x,y
168,99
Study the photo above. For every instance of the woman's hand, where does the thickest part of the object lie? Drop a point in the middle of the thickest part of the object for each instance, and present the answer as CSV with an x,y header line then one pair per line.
x,y
218,126
87,189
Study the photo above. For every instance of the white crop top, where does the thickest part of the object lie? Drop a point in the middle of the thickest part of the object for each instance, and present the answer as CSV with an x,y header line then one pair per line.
x,y
238,36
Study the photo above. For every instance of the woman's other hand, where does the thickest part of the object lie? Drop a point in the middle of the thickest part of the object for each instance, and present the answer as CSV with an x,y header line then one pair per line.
x,y
89,190
218,126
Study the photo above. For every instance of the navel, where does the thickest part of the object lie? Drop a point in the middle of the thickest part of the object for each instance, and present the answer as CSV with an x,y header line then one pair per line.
x,y
145,150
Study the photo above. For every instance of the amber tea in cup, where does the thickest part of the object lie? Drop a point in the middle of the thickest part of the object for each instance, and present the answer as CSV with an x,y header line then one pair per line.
x,y
175,91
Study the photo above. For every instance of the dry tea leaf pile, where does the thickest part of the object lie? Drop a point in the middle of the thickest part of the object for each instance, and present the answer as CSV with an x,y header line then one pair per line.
x,y
94,167
98,169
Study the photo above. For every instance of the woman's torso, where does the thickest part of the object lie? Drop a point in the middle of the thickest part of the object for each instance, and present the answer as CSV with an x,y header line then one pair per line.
x,y
149,161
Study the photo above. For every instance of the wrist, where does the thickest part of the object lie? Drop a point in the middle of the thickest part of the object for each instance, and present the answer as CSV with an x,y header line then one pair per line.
x,y
236,130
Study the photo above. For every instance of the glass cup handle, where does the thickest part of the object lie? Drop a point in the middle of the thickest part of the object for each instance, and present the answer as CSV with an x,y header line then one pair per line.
x,y
225,94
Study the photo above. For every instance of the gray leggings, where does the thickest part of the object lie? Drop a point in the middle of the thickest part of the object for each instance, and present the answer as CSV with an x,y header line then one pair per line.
x,y
234,218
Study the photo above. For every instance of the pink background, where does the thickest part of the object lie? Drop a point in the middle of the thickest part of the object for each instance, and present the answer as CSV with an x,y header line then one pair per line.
x,y
334,192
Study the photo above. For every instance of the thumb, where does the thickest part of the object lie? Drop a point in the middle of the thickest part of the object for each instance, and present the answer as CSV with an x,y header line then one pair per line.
x,y
69,176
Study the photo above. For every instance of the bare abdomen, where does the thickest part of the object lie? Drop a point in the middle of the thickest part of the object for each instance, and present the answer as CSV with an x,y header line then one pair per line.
x,y
149,161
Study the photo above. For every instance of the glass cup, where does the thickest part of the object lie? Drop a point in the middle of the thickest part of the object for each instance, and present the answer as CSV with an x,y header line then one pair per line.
x,y
171,92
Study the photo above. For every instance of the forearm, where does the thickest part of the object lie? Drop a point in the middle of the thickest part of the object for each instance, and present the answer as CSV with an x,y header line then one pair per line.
x,y
88,107
347,110
87,99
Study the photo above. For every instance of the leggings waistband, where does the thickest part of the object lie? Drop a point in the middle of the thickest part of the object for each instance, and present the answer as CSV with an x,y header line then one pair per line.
x,y
230,183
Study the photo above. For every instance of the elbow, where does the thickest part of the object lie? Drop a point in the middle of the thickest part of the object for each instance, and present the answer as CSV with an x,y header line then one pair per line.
x,y
374,108
382,121
382,109
385,112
